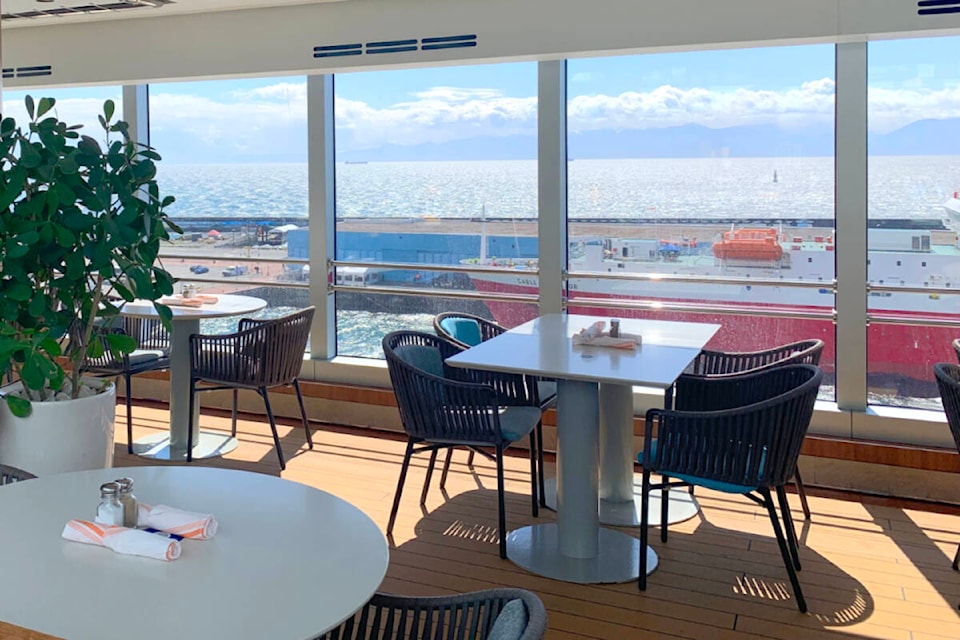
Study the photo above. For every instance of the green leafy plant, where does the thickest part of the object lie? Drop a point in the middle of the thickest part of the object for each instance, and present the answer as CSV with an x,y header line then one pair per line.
x,y
80,230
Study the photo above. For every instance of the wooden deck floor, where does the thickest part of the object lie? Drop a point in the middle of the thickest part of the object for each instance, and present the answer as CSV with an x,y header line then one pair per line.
x,y
869,571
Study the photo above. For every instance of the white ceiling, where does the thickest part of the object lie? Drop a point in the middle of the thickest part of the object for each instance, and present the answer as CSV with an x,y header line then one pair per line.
x,y
79,10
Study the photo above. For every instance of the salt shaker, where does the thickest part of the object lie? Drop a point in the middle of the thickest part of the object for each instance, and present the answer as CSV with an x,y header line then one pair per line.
x,y
614,328
129,502
109,511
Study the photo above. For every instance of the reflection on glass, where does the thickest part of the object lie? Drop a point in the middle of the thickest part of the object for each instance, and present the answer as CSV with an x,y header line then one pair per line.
x,y
913,176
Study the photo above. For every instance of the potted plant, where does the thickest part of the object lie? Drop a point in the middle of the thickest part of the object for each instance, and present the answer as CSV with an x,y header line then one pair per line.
x,y
80,229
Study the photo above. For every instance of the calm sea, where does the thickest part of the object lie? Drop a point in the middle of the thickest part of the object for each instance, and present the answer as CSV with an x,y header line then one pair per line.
x,y
899,187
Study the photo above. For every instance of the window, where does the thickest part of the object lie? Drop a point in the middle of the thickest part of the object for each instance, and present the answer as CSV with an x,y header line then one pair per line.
x,y
708,179
913,175
434,167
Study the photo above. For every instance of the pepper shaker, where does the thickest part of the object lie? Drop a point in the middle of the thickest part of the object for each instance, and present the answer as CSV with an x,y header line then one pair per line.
x,y
129,502
615,328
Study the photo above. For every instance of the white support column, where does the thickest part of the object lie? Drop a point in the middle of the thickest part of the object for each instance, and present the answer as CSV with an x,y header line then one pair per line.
x,y
321,176
552,180
851,216
136,111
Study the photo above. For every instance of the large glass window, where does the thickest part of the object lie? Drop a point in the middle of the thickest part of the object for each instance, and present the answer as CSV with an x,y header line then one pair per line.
x,y
234,156
74,106
913,177
690,169
435,167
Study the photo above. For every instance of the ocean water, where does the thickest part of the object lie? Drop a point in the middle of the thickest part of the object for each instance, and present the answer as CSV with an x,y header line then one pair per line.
x,y
899,187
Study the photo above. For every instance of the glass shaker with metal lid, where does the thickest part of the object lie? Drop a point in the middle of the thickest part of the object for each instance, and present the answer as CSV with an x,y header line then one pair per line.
x,y
129,502
109,511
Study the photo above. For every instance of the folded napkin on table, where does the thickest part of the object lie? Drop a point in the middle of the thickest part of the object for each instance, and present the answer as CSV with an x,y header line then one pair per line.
x,y
122,540
180,301
603,339
198,526
207,299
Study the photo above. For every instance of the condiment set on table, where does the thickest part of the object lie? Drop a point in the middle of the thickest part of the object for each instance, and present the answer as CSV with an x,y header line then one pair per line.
x,y
596,335
119,514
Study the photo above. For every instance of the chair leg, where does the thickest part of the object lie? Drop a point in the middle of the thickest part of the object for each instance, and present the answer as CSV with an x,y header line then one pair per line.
x,y
501,508
470,458
233,414
542,488
126,387
190,425
273,426
784,552
403,477
664,510
303,413
533,474
446,468
803,494
788,526
956,560
644,522
426,481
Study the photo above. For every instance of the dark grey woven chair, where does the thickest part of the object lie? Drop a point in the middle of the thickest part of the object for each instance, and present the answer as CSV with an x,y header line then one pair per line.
x,y
709,365
9,475
261,355
468,616
948,382
469,330
152,354
751,449
442,407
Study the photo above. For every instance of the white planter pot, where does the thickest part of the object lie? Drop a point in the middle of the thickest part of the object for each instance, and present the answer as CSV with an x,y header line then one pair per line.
x,y
70,435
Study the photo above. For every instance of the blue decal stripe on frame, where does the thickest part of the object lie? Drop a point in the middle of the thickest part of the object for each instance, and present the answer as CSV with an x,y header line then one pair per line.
x,y
448,39
449,45
391,43
337,47
936,3
392,49
336,54
938,11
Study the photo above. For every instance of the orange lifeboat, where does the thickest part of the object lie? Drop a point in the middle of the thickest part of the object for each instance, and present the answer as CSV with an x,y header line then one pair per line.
x,y
749,244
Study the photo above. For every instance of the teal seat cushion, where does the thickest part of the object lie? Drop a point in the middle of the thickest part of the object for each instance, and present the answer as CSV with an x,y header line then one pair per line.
x,y
511,623
422,357
726,487
465,330
518,422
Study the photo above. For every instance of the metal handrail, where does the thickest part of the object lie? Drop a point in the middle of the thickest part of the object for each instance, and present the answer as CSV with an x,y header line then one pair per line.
x,y
439,293
910,289
406,266
826,314
656,277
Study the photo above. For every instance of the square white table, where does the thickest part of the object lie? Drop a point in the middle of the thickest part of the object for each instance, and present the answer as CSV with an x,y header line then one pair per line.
x,y
576,548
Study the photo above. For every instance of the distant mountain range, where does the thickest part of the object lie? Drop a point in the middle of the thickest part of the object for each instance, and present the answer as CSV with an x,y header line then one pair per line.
x,y
924,137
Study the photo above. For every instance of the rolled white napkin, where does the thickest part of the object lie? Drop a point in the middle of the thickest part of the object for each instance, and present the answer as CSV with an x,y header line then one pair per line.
x,y
122,540
197,526
623,341
593,331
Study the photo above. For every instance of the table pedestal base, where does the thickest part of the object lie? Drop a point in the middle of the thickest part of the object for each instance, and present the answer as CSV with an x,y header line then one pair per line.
x,y
683,506
536,549
210,445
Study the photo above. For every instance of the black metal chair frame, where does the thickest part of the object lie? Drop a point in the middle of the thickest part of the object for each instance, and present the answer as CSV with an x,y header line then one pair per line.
x,y
754,445
9,475
150,335
459,409
490,329
261,355
710,364
948,383
467,616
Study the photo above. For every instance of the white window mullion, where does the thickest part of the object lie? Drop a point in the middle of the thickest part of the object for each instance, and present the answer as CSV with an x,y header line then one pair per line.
x,y
322,209
552,182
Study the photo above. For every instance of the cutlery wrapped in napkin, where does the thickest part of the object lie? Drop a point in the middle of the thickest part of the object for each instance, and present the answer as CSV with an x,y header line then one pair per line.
x,y
596,336
122,540
197,526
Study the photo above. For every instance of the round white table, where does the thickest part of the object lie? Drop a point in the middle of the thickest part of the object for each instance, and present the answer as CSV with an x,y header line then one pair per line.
x,y
288,561
186,322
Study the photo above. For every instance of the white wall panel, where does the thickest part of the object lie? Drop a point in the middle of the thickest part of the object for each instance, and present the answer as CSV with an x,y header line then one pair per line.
x,y
281,40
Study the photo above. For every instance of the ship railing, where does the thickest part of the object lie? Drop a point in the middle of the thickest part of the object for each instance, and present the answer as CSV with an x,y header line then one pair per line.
x,y
830,285
827,314
520,266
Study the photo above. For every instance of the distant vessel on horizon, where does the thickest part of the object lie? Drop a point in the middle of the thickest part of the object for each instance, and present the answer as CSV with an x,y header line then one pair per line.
x,y
356,162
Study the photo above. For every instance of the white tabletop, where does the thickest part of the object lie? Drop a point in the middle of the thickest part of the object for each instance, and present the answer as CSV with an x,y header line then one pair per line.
x,y
543,347
288,562
226,305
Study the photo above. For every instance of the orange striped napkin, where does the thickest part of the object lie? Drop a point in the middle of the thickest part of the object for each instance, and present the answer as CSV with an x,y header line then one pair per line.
x,y
198,526
180,301
122,540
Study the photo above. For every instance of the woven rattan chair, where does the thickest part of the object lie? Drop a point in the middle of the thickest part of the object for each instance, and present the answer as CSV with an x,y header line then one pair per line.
x,y
261,355
442,407
468,616
152,354
709,365
948,382
751,449
9,475
469,330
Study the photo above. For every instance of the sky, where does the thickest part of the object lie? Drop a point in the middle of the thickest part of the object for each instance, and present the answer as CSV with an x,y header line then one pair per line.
x,y
790,87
